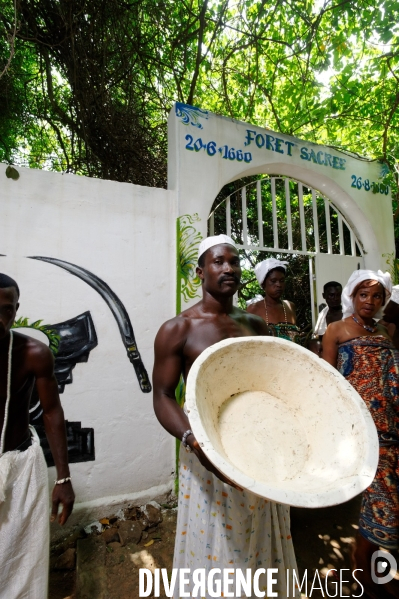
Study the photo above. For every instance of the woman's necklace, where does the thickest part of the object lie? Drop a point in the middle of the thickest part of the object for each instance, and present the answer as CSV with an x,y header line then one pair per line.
x,y
285,313
365,326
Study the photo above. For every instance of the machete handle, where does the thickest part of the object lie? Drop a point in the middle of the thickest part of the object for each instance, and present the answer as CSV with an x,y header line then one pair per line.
x,y
141,373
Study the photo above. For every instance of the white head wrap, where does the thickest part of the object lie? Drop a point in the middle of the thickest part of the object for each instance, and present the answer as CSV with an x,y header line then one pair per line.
x,y
264,267
209,242
364,275
395,294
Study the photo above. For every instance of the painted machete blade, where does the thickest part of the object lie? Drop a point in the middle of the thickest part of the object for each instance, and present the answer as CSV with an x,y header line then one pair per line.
x,y
118,310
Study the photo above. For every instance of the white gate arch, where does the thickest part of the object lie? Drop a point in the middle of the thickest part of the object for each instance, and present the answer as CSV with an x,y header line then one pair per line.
x,y
207,151
303,204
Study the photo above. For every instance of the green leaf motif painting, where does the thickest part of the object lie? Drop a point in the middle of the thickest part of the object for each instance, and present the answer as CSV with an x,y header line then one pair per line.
x,y
51,334
188,240
393,264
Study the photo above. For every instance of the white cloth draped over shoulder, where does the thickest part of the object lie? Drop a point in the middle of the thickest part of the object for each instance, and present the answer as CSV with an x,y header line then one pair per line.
x,y
220,527
24,523
321,324
358,276
395,294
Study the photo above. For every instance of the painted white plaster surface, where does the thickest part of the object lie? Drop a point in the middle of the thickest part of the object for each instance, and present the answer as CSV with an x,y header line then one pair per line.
x,y
125,234
369,214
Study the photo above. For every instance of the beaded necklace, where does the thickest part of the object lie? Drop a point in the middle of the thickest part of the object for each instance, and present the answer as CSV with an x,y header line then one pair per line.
x,y
3,433
285,313
365,326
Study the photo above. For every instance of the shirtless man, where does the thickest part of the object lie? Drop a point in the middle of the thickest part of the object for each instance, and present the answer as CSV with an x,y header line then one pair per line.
x,y
209,508
332,292
23,472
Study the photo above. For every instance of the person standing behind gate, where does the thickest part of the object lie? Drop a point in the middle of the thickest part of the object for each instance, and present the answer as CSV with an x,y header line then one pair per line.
x,y
332,292
362,351
278,314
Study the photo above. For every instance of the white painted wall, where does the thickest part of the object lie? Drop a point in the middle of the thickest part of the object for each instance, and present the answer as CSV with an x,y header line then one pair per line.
x,y
125,234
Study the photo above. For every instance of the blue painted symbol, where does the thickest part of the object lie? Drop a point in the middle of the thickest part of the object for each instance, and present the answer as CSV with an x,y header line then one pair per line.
x,y
190,115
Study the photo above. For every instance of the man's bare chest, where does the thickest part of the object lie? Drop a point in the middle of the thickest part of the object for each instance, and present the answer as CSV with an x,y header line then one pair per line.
x,y
21,380
206,333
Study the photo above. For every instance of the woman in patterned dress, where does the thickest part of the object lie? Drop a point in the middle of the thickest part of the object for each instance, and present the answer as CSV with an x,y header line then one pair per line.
x,y
362,351
279,314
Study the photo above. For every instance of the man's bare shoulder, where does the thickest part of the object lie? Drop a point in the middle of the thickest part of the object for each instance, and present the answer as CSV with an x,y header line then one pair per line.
x,y
182,321
174,332
34,351
252,321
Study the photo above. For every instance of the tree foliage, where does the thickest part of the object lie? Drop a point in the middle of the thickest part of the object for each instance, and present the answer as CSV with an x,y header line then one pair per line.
x,y
91,82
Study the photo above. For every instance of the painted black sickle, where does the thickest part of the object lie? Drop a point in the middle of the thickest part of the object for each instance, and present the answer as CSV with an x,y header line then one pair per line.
x,y
118,310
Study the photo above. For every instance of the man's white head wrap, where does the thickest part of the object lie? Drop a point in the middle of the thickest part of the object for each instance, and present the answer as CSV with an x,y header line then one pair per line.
x,y
358,277
209,242
266,266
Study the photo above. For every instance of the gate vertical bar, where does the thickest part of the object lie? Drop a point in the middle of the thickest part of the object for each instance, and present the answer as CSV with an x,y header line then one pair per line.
x,y
328,226
288,211
353,243
228,217
302,216
260,214
341,235
212,224
315,223
313,293
274,208
244,215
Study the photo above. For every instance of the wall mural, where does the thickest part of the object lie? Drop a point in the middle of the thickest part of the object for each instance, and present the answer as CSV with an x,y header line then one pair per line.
x,y
188,240
77,337
71,342
118,310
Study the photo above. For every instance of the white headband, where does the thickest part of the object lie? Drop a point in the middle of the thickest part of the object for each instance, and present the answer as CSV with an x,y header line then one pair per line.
x,y
364,275
264,267
209,242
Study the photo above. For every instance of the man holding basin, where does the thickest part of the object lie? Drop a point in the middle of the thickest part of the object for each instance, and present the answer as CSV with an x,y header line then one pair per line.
x,y
219,525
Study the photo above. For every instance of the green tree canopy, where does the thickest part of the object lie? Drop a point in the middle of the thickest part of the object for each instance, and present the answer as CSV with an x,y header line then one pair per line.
x,y
91,82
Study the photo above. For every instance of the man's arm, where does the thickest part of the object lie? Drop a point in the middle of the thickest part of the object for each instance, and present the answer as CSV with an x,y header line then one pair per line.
x,y
42,362
168,367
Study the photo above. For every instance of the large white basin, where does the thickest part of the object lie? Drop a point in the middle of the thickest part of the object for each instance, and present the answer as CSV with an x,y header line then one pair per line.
x,y
281,422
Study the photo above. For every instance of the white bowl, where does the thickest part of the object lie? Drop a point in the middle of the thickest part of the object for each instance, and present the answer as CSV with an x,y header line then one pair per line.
x,y
280,422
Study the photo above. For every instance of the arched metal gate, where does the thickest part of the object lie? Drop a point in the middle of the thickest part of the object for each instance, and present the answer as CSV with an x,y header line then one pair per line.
x,y
284,216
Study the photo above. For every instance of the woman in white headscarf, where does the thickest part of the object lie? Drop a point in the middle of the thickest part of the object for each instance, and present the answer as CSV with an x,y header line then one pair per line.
x,y
361,349
279,314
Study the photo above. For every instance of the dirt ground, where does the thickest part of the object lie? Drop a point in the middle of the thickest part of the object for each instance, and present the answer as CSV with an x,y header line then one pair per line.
x,y
322,540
